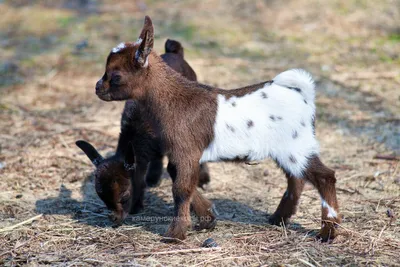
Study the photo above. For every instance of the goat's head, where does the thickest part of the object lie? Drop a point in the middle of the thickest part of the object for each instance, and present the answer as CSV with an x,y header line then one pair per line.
x,y
127,68
112,180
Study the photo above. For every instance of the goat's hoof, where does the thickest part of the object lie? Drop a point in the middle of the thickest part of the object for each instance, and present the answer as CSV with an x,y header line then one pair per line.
x,y
208,224
277,220
327,232
175,233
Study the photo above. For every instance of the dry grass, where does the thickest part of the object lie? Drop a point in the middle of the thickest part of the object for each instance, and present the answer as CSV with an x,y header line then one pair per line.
x,y
49,212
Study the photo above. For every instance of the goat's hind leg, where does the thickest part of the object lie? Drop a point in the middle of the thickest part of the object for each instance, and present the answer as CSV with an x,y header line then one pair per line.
x,y
203,209
290,199
324,180
204,178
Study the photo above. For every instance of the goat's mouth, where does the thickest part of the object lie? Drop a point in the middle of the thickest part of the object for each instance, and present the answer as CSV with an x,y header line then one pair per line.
x,y
104,95
117,218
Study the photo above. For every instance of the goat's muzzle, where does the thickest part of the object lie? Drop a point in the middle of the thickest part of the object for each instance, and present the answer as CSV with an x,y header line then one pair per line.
x,y
99,84
117,217
102,93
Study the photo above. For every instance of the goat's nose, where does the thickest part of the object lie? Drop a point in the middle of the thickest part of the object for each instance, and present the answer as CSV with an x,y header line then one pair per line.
x,y
98,85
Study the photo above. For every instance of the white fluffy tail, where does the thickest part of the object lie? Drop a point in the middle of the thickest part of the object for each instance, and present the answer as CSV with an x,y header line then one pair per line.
x,y
299,80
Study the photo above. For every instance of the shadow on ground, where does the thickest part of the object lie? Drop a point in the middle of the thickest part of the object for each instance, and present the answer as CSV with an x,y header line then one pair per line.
x,y
154,218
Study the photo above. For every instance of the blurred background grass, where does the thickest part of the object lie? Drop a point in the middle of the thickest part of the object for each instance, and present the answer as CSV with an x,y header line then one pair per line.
x,y
38,36
355,44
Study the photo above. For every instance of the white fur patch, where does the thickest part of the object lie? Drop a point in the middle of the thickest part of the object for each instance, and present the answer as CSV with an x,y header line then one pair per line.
x,y
331,212
118,48
138,41
271,122
297,78
137,57
146,64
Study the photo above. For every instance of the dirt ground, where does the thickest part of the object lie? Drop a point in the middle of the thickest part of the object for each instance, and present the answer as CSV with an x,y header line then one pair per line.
x,y
53,52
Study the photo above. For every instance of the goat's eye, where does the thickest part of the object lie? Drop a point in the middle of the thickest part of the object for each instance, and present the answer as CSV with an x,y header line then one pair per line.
x,y
115,80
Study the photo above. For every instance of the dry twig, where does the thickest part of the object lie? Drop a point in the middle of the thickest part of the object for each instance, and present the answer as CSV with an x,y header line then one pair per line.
x,y
9,228
181,251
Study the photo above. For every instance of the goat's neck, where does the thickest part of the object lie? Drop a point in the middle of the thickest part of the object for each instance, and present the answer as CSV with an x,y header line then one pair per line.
x,y
169,90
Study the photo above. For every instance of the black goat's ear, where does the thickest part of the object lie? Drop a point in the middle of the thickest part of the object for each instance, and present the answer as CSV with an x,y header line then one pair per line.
x,y
130,158
90,151
175,47
146,40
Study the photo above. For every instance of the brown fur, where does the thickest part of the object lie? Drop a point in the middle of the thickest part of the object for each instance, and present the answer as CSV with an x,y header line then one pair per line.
x,y
323,179
121,194
186,112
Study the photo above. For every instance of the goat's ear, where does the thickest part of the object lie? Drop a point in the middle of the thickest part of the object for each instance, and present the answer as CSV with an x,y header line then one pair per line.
x,y
172,46
90,151
130,158
146,40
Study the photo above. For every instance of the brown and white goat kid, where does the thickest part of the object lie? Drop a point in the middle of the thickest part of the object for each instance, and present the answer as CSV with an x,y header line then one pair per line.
x,y
273,119
119,179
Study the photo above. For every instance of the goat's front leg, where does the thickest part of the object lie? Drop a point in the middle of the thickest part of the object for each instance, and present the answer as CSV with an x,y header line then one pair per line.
x,y
202,207
154,172
187,175
287,206
138,188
